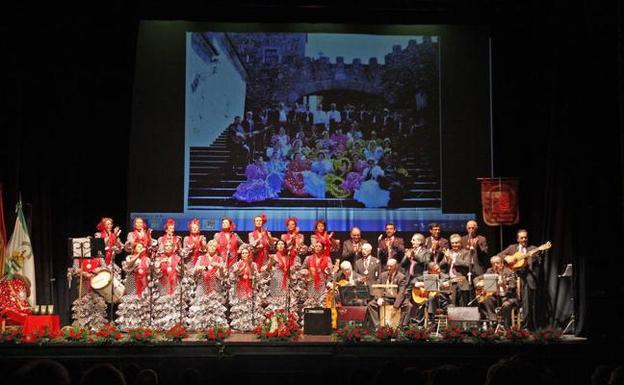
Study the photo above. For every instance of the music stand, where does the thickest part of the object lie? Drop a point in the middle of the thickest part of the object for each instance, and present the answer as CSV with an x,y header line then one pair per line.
x,y
357,295
381,290
569,273
490,283
431,282
85,247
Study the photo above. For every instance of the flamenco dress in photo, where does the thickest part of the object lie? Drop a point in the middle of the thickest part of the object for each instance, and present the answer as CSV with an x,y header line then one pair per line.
x,y
277,170
314,180
370,193
255,188
293,180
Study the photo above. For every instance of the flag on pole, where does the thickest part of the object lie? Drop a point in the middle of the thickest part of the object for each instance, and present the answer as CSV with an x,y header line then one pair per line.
x,y
19,251
3,235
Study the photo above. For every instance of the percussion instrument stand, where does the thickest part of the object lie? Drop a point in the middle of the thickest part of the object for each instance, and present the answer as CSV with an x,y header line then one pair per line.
x,y
112,284
80,258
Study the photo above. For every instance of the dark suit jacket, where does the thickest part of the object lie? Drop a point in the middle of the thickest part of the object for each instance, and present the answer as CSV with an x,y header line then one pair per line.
x,y
340,276
462,267
530,272
400,280
509,278
249,127
422,257
397,247
444,244
374,270
347,251
482,260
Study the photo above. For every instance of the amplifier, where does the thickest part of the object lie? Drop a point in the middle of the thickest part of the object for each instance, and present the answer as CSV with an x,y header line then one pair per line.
x,y
317,321
354,314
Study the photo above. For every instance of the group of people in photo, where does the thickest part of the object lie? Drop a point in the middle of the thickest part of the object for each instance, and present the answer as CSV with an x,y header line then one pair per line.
x,y
353,153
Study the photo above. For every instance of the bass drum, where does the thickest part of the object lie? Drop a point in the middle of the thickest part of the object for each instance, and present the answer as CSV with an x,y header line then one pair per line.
x,y
101,283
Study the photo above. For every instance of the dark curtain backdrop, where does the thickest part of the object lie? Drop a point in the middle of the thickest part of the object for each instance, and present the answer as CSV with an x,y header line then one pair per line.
x,y
557,75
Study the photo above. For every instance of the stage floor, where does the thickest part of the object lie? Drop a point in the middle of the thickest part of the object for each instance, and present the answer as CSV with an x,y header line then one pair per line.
x,y
314,359
250,338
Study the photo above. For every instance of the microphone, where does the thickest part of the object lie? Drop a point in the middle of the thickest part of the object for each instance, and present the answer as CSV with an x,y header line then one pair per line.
x,y
379,237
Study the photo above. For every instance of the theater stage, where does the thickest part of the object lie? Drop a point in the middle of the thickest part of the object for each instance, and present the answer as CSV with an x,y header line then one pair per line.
x,y
313,359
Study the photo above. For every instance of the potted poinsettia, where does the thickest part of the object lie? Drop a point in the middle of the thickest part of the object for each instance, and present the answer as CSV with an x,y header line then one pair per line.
x,y
351,333
107,334
279,326
217,334
177,333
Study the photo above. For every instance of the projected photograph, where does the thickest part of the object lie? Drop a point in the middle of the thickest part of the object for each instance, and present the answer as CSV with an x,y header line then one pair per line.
x,y
296,120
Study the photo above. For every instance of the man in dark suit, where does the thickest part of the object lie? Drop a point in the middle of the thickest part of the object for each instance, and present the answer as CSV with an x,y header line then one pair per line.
x,y
473,241
396,297
528,275
415,259
435,243
347,277
390,246
240,151
439,300
249,127
505,296
456,263
368,266
352,248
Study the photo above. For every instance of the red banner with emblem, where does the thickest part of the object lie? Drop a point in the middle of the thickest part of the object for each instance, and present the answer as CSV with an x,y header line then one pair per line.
x,y
499,199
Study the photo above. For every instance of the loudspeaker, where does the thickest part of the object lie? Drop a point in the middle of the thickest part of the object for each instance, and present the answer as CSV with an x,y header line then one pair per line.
x,y
463,314
317,321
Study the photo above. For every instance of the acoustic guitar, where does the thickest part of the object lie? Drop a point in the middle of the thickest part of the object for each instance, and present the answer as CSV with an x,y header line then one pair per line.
x,y
481,295
518,260
420,295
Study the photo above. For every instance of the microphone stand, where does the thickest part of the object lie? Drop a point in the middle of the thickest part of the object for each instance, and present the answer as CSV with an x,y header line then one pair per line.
x,y
253,298
470,266
288,283
182,273
151,280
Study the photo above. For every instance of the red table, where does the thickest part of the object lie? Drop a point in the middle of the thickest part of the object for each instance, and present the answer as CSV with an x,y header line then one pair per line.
x,y
39,322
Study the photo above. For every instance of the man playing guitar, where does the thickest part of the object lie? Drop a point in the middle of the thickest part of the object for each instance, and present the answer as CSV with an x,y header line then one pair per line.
x,y
528,273
505,295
